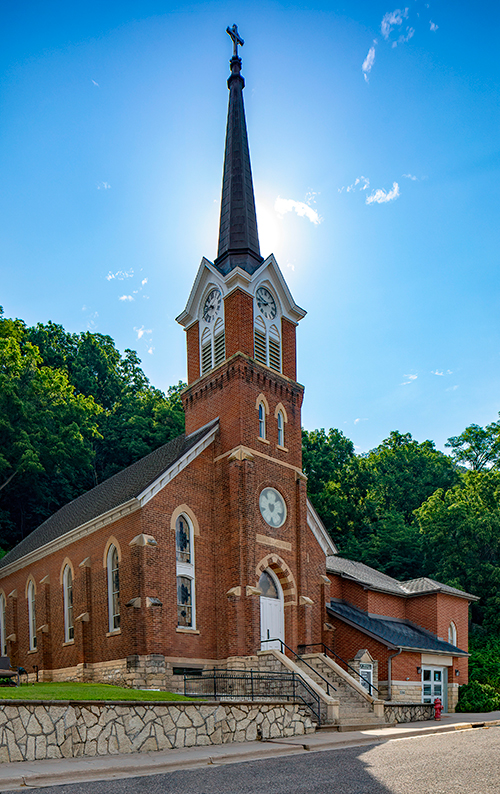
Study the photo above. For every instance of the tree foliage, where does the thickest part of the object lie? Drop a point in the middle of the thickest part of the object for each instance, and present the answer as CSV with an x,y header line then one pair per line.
x,y
477,447
461,532
73,411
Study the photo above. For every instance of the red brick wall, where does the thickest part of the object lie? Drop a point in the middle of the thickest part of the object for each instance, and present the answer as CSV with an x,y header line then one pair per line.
x,y
238,322
289,349
193,352
386,604
230,392
422,610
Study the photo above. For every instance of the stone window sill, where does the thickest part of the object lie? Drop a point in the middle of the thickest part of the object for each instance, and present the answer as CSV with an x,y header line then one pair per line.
x,y
33,650
283,449
69,642
263,440
186,630
113,633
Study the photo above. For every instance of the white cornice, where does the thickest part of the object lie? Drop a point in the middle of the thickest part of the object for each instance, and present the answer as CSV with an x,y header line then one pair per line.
x,y
73,535
316,526
239,279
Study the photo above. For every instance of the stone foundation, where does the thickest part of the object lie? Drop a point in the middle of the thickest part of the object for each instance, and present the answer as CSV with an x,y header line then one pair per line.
x,y
408,712
32,730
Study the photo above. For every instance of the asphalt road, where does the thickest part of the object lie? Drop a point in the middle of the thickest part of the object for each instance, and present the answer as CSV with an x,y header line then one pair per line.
x,y
461,762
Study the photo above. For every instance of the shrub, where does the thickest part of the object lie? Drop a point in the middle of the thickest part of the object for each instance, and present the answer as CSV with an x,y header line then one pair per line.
x,y
477,697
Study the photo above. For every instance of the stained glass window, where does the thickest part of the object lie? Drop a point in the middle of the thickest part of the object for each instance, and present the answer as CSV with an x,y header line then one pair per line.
x,y
182,540
184,601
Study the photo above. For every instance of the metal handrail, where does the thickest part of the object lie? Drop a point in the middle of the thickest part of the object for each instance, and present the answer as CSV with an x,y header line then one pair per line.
x,y
316,672
217,677
326,648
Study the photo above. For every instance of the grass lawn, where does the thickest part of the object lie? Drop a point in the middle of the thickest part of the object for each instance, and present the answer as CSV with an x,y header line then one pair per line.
x,y
68,690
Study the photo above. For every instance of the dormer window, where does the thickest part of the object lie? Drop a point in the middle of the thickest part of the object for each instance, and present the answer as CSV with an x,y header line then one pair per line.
x,y
267,338
212,342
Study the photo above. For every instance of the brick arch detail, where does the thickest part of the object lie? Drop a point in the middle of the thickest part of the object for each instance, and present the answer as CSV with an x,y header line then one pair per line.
x,y
284,574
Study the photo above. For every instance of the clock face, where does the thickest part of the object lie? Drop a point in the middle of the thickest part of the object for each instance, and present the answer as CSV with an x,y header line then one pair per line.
x,y
272,507
212,305
266,303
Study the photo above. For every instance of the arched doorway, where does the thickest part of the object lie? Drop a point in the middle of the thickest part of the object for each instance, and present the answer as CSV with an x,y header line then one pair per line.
x,y
272,616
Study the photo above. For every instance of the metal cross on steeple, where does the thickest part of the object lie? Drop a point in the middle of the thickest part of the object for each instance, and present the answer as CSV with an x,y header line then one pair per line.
x,y
233,32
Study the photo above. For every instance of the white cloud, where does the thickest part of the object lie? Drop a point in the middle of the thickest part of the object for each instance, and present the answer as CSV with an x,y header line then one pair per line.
x,y
150,350
368,63
411,378
125,298
436,372
144,281
410,176
391,20
141,331
452,388
103,186
120,275
303,210
97,84
410,32
433,25
382,197
356,421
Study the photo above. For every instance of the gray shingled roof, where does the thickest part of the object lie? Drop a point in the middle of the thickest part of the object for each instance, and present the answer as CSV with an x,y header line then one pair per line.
x,y
396,633
111,493
376,580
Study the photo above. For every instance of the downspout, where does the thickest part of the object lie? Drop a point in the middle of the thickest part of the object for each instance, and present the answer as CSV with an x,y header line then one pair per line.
x,y
389,673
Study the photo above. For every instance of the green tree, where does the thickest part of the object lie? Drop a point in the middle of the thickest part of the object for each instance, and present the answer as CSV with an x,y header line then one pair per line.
x,y
46,435
461,540
477,447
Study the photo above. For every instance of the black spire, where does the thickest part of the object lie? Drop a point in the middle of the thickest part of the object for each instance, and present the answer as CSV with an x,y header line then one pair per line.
x,y
238,236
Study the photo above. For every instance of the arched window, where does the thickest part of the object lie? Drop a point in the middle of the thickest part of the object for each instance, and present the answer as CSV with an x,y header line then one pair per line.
x,y
113,589
182,540
3,626
281,429
184,549
262,421
452,634
69,629
31,615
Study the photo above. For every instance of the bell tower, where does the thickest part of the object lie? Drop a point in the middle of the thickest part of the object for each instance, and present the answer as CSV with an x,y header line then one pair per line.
x,y
240,322
240,318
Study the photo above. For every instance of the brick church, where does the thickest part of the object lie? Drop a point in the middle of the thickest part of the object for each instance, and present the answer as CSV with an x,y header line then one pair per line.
x,y
208,549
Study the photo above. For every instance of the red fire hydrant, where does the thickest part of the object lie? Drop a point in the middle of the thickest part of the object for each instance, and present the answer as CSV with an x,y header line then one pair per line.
x,y
438,707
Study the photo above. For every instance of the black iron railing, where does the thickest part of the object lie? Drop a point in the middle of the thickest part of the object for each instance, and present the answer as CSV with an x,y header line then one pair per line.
x,y
252,685
326,650
303,661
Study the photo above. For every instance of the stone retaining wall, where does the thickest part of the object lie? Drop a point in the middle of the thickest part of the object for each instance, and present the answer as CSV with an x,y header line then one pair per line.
x,y
408,712
32,730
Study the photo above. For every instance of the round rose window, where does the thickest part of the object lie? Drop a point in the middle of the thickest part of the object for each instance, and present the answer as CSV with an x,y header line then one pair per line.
x,y
272,507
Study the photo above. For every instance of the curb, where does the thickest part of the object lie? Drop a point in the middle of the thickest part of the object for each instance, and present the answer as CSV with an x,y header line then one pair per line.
x,y
98,767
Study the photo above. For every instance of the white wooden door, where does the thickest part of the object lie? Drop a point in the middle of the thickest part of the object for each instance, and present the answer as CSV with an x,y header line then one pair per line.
x,y
272,622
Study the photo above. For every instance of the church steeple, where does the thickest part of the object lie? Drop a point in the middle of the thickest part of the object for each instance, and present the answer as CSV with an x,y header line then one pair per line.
x,y
238,236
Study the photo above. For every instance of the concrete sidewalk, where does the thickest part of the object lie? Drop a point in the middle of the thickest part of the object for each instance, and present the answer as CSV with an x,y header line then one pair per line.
x,y
73,770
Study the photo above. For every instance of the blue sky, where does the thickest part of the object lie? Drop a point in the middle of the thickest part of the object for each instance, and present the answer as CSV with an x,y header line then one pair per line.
x,y
374,138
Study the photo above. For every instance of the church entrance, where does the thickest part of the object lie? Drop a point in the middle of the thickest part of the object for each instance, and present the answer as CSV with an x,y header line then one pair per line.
x,y
272,616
